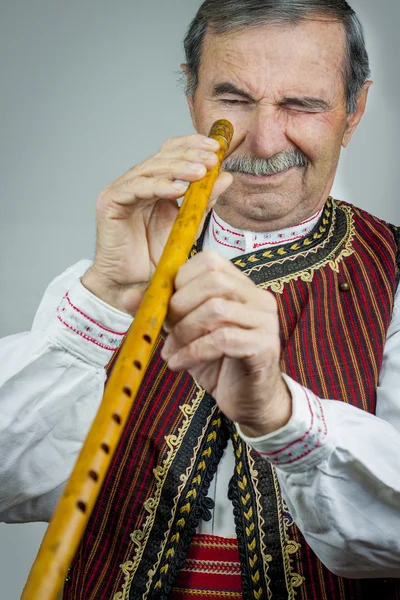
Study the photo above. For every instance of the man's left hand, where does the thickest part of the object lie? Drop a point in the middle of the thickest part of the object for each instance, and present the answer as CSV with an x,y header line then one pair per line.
x,y
224,331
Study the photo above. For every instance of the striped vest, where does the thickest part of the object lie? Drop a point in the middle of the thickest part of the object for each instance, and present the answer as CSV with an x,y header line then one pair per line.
x,y
335,291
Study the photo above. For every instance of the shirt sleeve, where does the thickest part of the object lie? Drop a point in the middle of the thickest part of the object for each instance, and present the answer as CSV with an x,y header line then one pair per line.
x,y
338,468
51,385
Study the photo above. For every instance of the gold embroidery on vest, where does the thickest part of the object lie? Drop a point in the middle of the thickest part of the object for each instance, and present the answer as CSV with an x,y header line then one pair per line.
x,y
141,536
256,562
266,558
168,552
343,248
289,547
274,253
213,594
280,255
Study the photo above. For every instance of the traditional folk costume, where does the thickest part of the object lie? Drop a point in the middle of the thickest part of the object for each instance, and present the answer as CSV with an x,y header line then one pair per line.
x,y
335,291
335,287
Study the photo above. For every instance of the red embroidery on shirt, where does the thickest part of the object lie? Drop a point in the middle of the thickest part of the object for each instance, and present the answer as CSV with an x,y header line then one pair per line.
x,y
223,244
303,438
89,339
278,242
92,320
228,230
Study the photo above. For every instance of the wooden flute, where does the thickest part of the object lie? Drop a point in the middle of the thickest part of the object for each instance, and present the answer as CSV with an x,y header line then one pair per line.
x,y
79,497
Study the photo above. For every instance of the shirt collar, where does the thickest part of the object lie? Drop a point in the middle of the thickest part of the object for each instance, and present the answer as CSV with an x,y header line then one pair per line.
x,y
231,242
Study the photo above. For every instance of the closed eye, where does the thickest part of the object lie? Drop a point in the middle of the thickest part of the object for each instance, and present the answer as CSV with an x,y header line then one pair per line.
x,y
305,105
233,101
301,109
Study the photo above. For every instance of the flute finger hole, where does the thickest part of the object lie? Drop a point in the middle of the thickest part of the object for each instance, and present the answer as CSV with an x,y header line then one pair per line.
x,y
138,365
93,475
105,447
117,418
147,339
81,505
127,391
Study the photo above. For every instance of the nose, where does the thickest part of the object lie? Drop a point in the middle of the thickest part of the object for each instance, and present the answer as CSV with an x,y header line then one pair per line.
x,y
265,131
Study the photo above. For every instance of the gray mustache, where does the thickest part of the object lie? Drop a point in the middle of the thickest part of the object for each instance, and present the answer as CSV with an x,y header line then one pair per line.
x,y
254,165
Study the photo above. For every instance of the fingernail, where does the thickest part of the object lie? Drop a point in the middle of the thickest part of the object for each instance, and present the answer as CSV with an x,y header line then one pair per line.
x,y
211,142
180,187
208,155
165,352
195,166
171,364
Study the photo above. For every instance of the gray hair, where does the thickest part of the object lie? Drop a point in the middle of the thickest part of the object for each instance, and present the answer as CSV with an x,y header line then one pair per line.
x,y
224,16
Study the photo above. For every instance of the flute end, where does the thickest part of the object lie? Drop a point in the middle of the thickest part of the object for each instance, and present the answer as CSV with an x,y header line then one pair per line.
x,y
222,129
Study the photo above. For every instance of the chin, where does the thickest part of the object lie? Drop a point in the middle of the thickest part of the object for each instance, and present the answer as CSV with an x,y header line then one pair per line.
x,y
265,210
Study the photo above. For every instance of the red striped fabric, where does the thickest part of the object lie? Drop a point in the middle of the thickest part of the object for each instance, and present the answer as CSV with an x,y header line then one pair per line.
x,y
211,570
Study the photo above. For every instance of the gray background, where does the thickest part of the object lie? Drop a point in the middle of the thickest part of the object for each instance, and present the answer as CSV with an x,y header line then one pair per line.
x,y
89,88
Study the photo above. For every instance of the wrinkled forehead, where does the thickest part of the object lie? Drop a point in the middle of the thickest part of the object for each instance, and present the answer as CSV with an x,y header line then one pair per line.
x,y
310,54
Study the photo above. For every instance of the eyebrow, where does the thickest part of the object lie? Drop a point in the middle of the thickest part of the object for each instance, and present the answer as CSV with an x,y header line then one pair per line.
x,y
306,102
226,87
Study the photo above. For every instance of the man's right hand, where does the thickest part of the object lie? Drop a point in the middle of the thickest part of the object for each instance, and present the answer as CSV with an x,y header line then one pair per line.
x,y
135,214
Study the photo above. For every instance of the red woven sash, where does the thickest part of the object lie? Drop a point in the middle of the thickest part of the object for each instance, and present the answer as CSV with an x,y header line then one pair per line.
x,y
211,570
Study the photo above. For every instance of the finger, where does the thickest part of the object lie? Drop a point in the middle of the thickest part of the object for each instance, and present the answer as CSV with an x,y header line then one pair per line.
x,y
233,342
195,140
171,170
210,263
213,314
155,165
177,168
144,183
206,261
145,189
177,146
222,183
132,298
216,284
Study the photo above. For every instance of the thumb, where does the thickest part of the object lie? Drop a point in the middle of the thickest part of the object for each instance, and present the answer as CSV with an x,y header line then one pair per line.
x,y
132,298
222,183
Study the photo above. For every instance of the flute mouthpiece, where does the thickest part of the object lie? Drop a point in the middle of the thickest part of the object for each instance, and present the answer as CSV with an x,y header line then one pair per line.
x,y
222,129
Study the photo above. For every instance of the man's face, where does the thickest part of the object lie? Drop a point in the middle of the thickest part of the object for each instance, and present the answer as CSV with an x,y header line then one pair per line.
x,y
282,87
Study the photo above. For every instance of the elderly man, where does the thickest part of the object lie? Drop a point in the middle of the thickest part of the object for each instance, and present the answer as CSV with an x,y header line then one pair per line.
x,y
261,457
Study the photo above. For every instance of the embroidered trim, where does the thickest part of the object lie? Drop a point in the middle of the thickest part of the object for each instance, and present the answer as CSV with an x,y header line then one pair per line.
x,y
140,537
179,534
329,242
223,228
257,583
234,239
267,558
342,249
211,541
289,547
211,567
283,240
287,252
285,237
83,325
227,239
210,594
310,441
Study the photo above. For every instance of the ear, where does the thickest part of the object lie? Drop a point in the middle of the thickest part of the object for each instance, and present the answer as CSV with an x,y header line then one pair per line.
x,y
354,119
189,97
